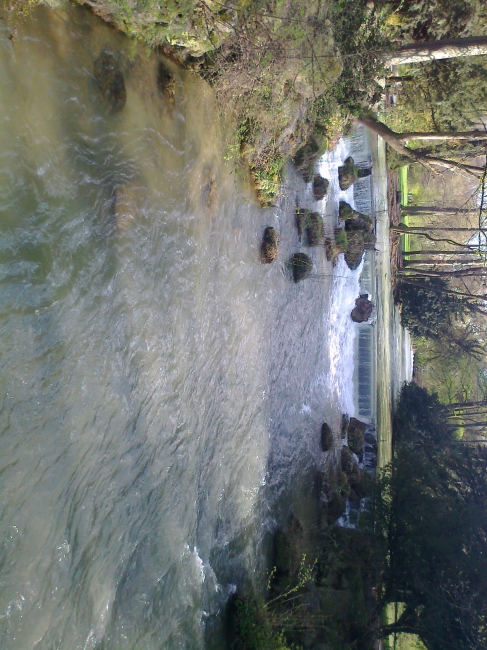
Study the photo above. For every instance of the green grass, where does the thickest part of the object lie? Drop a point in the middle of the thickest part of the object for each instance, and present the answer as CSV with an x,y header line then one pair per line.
x,y
403,186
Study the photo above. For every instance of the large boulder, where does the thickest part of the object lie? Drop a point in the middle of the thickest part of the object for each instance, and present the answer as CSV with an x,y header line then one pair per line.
x,y
301,266
345,211
326,437
268,248
360,237
362,310
356,435
349,173
320,187
307,155
109,81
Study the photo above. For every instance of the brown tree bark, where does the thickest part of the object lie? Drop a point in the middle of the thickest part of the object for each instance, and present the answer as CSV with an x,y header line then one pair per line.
x,y
433,210
444,49
423,229
443,135
394,141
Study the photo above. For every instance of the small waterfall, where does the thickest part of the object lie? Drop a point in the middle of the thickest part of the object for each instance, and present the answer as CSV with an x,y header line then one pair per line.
x,y
367,278
365,384
359,146
340,334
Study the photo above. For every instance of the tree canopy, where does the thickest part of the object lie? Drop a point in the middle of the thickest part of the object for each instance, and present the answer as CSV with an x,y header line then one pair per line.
x,y
435,523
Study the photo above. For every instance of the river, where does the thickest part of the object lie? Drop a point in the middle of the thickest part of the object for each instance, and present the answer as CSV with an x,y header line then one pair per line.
x,y
162,390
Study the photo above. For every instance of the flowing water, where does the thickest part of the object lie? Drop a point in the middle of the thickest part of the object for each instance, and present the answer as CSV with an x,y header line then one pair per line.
x,y
162,390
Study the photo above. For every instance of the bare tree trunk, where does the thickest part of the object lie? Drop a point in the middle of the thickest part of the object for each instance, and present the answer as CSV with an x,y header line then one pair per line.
x,y
444,135
407,229
394,141
468,405
433,210
445,49
431,251
431,261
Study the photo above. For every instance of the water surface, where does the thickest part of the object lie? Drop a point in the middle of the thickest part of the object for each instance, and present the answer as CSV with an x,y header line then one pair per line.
x,y
162,390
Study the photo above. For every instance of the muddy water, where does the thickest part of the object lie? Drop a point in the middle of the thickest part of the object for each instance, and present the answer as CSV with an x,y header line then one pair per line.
x,y
161,389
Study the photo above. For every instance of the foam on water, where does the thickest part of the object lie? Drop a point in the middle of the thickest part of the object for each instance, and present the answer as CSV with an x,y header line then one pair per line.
x,y
340,333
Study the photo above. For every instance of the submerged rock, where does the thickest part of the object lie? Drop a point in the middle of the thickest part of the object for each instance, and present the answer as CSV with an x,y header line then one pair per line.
x,y
110,81
362,310
166,83
326,437
301,266
209,190
268,249
349,173
320,187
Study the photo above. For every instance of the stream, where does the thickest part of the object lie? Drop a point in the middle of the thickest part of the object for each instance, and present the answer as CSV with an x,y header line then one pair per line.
x,y
162,390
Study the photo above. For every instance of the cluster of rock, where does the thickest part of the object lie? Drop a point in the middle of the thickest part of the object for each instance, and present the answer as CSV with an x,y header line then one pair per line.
x,y
352,238
349,173
355,237
309,226
352,483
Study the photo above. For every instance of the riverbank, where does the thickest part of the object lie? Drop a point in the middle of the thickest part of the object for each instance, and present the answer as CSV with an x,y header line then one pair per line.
x,y
394,356
281,107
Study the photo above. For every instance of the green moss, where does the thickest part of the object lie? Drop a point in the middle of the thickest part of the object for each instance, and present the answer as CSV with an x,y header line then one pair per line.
x,y
314,229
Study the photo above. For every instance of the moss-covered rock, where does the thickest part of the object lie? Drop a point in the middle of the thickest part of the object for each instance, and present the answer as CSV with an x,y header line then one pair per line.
x,y
358,240
109,81
349,173
320,187
345,211
356,435
314,229
166,83
301,266
326,437
307,155
268,249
